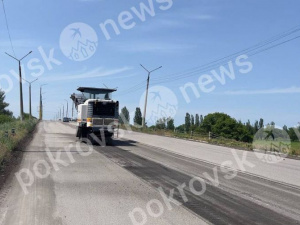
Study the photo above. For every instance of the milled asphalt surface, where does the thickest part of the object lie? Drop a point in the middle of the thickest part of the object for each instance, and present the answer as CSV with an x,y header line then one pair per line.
x,y
284,170
104,187
245,199
89,190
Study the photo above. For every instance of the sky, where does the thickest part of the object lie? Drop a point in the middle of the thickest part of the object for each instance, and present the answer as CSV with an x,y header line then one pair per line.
x,y
184,37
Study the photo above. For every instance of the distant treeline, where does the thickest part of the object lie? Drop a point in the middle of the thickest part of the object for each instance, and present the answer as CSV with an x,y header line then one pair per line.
x,y
219,124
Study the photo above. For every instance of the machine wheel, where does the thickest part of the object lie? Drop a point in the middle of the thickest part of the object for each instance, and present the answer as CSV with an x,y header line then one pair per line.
x,y
91,139
109,141
80,136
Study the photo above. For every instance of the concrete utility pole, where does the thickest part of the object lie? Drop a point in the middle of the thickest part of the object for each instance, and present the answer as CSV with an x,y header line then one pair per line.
x,y
59,112
146,98
30,114
63,112
20,80
41,102
67,108
72,110
40,114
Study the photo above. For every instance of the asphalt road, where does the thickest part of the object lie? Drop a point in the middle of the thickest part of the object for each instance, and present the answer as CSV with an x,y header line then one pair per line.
x,y
287,170
105,185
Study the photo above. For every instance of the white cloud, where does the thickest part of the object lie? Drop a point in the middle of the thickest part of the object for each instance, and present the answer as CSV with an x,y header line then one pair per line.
x,y
97,72
291,90
175,21
201,17
159,47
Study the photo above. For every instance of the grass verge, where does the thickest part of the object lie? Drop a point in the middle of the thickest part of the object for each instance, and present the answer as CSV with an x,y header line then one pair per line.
x,y
10,140
295,148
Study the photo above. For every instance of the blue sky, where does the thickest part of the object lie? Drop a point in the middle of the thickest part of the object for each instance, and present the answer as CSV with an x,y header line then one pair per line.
x,y
179,37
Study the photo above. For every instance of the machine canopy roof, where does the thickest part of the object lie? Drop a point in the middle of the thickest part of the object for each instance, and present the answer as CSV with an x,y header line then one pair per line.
x,y
96,90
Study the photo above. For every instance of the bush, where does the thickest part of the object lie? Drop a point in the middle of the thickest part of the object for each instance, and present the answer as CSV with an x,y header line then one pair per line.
x,y
5,119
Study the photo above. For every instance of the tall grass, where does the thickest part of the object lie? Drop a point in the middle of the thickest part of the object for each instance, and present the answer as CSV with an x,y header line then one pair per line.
x,y
295,148
8,141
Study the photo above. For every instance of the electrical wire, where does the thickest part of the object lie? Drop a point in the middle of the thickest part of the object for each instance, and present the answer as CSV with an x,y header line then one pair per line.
x,y
224,63
7,27
129,90
226,58
219,62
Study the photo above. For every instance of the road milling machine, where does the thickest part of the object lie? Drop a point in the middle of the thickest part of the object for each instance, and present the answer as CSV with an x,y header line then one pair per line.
x,y
97,115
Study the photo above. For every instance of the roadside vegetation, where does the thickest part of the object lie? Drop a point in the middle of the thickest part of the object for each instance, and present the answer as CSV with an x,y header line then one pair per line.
x,y
12,134
12,130
221,129
296,148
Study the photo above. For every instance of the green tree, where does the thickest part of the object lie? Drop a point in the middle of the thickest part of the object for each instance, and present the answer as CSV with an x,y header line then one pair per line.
x,y
124,116
181,128
292,134
201,119
256,126
192,121
4,105
5,119
197,120
223,125
261,123
161,123
170,124
249,127
138,117
187,122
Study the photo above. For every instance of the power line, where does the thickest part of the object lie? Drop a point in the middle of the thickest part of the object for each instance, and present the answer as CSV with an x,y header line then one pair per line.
x,y
226,58
276,45
219,62
6,21
208,68
190,74
261,44
133,88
